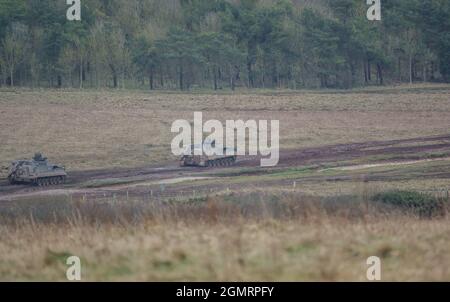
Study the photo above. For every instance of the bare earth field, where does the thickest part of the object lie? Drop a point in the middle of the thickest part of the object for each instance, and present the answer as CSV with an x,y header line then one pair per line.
x,y
131,213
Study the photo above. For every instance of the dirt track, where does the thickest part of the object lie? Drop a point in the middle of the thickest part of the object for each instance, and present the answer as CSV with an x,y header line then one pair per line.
x,y
153,175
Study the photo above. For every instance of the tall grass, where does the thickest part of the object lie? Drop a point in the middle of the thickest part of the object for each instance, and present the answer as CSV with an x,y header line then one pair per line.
x,y
231,208
266,237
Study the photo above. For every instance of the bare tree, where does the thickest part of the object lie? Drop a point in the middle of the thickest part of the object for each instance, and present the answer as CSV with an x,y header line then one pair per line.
x,y
97,52
14,45
118,57
2,68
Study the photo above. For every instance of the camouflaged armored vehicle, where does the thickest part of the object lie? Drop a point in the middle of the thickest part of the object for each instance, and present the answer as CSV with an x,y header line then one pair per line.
x,y
37,171
190,159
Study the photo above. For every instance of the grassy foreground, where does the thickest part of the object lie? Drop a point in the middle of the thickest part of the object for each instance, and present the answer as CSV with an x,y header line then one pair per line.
x,y
295,239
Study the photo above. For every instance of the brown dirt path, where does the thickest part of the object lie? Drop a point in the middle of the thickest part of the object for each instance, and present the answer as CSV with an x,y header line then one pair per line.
x,y
288,158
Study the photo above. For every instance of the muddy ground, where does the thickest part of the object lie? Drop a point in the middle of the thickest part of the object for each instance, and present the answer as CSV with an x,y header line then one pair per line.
x,y
171,180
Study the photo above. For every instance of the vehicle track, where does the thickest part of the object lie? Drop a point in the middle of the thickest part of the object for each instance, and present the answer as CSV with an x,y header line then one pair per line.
x,y
288,158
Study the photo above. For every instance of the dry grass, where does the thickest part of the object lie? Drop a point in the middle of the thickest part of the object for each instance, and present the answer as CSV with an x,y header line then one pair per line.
x,y
87,129
293,239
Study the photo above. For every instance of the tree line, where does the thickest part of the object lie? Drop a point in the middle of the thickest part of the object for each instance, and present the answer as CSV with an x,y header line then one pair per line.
x,y
223,44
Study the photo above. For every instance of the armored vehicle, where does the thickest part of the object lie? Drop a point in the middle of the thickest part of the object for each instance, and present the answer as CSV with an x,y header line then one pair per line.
x,y
190,159
37,171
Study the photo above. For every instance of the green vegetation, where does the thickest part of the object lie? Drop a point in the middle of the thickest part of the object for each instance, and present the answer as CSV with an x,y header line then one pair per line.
x,y
250,237
217,44
419,203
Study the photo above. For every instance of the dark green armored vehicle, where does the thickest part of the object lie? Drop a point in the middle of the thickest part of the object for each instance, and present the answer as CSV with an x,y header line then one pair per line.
x,y
190,159
37,171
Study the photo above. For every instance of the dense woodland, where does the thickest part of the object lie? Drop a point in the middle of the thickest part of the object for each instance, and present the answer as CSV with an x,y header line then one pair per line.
x,y
223,44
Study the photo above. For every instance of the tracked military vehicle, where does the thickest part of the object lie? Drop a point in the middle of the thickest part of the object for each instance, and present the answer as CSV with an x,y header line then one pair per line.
x,y
37,171
189,159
